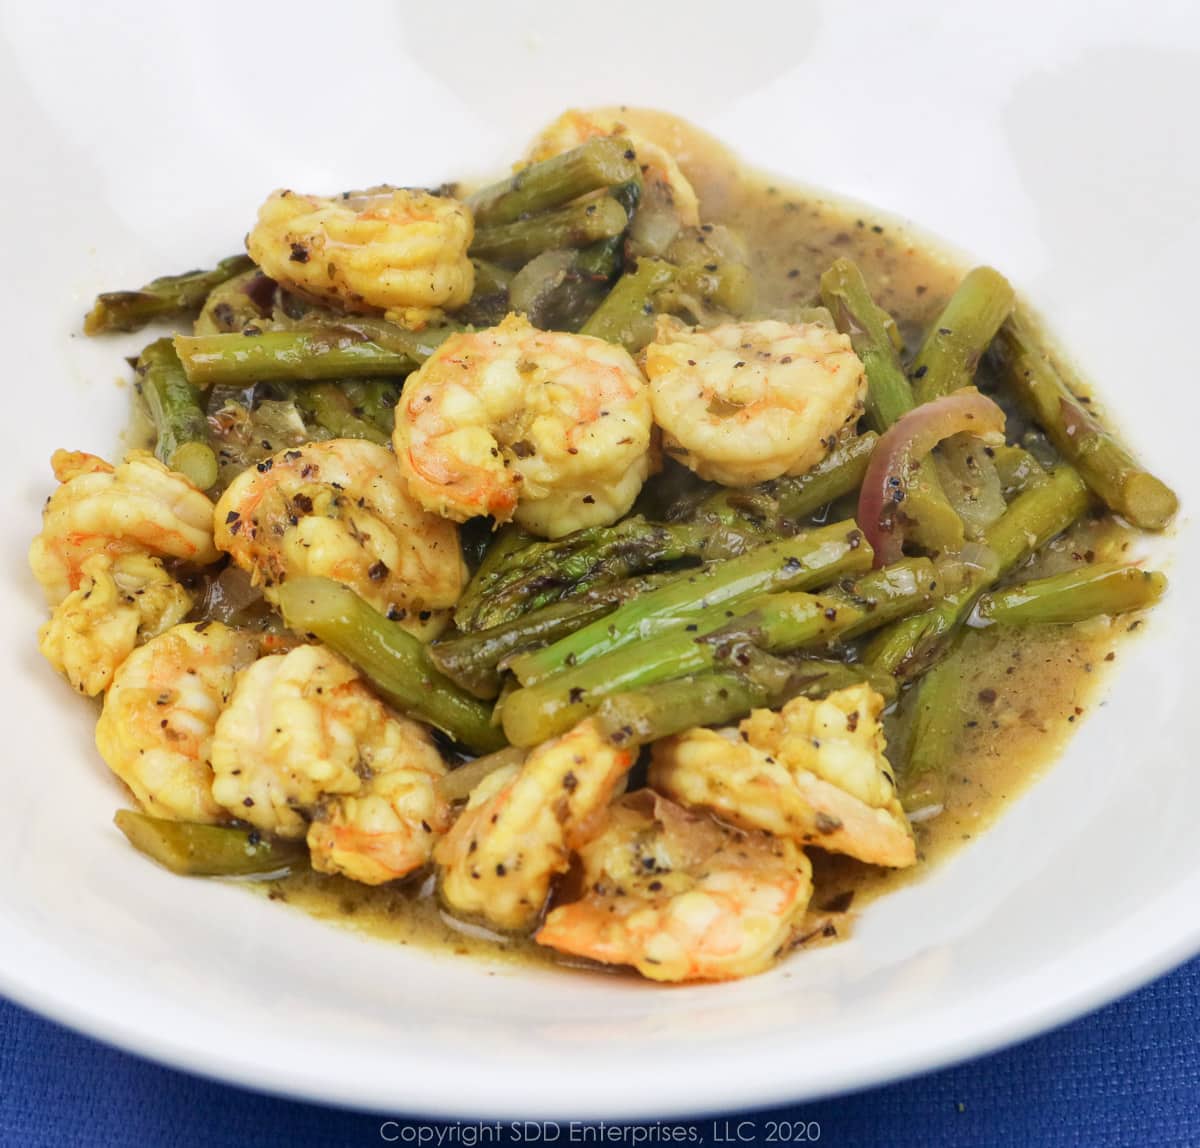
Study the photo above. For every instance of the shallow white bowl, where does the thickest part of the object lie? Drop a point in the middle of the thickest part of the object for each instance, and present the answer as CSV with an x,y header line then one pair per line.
x,y
1051,140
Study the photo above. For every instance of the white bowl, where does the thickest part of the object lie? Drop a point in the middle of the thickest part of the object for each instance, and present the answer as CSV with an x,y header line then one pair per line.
x,y
1051,140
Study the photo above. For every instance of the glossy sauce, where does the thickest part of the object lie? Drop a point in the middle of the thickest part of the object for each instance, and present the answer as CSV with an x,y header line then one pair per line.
x,y
1025,689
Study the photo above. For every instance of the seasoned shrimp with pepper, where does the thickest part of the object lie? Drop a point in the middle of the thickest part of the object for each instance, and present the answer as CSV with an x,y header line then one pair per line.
x,y
520,825
156,728
747,402
389,827
120,602
339,509
815,771
681,897
136,507
304,740
387,249
550,429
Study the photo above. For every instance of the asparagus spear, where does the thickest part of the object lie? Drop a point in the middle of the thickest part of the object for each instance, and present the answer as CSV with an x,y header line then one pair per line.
x,y
1018,469
193,850
1103,588
936,721
958,338
300,356
889,396
491,278
392,660
374,400
808,560
640,717
538,573
603,161
627,314
417,345
723,524
458,783
327,405
473,659
722,637
178,416
912,645
163,298
774,504
576,225
1110,471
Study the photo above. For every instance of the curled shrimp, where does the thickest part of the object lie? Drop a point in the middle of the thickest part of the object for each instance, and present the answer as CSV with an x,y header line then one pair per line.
x,y
389,827
303,739
155,730
681,897
340,509
386,249
743,403
667,195
120,601
520,825
550,429
815,772
137,507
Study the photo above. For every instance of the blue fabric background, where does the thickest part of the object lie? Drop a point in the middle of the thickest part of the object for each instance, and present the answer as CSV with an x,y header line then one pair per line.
x,y
1129,1075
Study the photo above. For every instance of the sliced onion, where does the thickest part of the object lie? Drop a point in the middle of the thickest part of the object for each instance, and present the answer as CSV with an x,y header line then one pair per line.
x,y
901,448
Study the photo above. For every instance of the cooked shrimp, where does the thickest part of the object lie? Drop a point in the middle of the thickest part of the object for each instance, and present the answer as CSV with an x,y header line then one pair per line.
x,y
547,428
386,249
746,402
300,733
663,182
120,602
156,728
681,897
340,509
521,824
815,771
388,828
138,507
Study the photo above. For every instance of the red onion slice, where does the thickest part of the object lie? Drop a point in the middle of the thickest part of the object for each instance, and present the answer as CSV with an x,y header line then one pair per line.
x,y
906,442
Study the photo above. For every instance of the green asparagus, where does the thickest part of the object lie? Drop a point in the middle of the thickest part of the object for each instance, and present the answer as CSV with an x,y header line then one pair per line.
x,y
299,356
194,850
776,504
391,659
717,698
164,298
808,560
627,314
178,415
722,637
1108,468
1075,596
934,524
936,721
1019,471
912,645
473,660
960,334
576,225
327,405
531,576
603,161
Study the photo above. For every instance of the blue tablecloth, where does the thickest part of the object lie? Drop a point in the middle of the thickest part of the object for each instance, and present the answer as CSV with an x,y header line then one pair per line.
x,y
1129,1075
